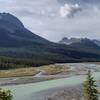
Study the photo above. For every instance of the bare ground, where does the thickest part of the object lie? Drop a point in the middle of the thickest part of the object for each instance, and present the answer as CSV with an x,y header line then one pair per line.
x,y
60,93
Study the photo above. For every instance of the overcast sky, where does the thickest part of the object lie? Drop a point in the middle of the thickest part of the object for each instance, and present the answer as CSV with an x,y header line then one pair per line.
x,y
54,19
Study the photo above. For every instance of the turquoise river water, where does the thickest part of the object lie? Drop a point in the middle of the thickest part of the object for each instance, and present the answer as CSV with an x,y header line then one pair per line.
x,y
24,92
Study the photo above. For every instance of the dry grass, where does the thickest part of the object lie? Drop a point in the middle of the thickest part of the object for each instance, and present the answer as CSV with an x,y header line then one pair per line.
x,y
18,72
48,69
55,69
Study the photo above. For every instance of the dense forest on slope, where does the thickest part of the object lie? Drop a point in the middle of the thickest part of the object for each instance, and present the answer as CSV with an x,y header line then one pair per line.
x,y
23,57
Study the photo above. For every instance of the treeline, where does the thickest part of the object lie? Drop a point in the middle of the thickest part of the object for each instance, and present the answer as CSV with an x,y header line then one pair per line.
x,y
37,56
11,63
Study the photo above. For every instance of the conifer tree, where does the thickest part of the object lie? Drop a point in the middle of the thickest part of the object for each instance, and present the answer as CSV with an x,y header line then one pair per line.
x,y
90,91
5,94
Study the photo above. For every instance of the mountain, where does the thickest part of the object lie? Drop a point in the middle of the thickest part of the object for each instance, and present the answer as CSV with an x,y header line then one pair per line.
x,y
80,42
96,42
10,22
67,41
14,34
86,43
19,47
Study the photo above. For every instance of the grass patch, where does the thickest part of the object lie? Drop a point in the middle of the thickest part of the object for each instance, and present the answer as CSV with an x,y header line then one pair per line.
x,y
31,71
18,72
55,69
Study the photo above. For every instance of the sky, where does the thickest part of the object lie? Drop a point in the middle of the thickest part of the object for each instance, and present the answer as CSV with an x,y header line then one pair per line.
x,y
55,19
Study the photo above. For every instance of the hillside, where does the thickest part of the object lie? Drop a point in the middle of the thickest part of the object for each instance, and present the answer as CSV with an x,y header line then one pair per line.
x,y
21,48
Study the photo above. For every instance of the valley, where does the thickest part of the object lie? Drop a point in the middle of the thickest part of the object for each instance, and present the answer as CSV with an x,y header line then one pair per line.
x,y
49,50
32,66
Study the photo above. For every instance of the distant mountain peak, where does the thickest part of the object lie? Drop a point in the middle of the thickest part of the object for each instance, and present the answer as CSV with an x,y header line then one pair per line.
x,y
80,42
64,38
69,41
97,42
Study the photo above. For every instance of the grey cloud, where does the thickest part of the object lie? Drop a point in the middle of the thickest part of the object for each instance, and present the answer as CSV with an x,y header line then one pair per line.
x,y
69,10
43,18
91,2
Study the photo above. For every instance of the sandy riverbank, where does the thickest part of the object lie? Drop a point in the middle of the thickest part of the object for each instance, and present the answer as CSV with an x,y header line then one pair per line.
x,y
49,72
22,80
60,93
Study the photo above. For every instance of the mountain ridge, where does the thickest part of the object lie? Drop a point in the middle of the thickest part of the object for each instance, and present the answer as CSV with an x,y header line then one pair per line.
x,y
12,30
18,45
75,41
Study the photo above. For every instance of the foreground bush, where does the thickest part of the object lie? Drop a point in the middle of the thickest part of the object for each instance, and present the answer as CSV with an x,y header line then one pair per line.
x,y
5,94
90,91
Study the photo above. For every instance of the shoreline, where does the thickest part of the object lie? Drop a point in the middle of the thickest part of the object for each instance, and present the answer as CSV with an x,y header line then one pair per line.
x,y
30,79
50,72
